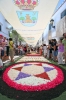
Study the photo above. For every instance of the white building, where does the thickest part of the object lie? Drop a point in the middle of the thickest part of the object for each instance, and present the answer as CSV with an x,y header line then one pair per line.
x,y
4,26
58,27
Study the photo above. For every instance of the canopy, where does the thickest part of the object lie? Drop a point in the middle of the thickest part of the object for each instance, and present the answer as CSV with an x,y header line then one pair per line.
x,y
28,17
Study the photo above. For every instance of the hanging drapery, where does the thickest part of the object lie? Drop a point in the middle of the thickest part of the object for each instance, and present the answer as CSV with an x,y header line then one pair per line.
x,y
33,16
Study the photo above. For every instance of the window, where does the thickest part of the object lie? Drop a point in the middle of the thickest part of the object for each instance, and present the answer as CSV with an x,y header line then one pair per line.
x,y
0,27
63,14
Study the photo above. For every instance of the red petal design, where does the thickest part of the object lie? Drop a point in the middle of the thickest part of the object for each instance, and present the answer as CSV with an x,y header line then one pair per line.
x,y
18,68
43,75
39,64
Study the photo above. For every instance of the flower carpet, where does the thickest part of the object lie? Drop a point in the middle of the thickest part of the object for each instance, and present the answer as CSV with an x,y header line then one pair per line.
x,y
33,58
33,76
33,54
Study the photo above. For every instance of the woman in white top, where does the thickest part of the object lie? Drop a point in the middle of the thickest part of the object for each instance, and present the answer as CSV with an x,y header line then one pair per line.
x,y
45,50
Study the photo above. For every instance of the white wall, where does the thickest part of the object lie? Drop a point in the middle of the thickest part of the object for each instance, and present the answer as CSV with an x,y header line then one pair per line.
x,y
46,35
57,17
40,41
3,24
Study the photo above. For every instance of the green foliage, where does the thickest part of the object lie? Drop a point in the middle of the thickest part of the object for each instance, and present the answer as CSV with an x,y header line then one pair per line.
x,y
16,35
20,38
11,35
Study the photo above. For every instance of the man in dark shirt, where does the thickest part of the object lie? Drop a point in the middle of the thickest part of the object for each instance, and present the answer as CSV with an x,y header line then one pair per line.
x,y
55,50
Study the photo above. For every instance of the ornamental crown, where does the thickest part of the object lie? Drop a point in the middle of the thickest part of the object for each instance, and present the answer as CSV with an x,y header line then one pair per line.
x,y
26,4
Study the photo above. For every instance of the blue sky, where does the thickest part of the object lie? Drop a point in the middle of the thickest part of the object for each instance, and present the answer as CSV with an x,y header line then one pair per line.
x,y
59,4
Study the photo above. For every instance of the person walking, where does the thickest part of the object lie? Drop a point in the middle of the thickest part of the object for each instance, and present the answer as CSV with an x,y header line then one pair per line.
x,y
11,49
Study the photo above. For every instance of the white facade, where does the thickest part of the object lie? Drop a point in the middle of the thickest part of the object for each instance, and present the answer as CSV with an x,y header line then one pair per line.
x,y
4,26
40,41
60,25
57,19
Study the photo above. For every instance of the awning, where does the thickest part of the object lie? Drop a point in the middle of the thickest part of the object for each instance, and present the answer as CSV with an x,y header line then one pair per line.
x,y
28,17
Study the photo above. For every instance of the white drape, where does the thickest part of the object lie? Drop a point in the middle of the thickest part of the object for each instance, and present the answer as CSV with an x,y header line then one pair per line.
x,y
45,10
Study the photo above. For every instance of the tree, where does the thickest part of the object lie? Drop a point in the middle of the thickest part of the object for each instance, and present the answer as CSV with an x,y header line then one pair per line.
x,y
16,37
20,38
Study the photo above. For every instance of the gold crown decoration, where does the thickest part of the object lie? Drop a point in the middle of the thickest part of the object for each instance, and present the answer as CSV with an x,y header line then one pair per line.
x,y
26,4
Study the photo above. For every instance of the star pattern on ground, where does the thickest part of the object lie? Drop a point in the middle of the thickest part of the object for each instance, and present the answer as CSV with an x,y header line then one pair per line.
x,y
25,75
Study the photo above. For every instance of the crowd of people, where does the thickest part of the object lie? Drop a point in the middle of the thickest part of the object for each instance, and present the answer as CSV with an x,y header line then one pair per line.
x,y
3,46
8,48
55,50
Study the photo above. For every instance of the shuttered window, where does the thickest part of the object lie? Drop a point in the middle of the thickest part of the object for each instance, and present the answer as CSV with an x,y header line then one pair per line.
x,y
63,14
